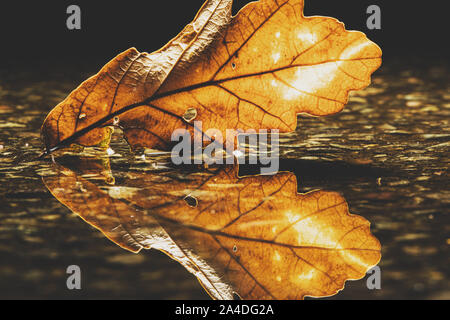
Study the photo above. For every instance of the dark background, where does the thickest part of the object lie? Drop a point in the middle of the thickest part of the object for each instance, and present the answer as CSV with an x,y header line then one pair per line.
x,y
34,34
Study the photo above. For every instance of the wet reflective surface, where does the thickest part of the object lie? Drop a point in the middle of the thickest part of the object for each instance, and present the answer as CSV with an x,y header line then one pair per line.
x,y
386,154
252,236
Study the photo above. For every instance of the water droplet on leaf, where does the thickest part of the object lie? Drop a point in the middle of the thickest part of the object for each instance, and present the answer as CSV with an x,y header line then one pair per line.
x,y
190,115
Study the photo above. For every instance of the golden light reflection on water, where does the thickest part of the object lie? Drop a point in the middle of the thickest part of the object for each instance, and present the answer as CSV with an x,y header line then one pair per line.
x,y
244,235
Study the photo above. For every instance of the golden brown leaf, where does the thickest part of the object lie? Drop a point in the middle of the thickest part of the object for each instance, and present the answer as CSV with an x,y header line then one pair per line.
x,y
254,236
258,71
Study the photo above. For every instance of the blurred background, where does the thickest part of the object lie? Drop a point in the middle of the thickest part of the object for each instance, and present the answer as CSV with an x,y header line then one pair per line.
x,y
35,34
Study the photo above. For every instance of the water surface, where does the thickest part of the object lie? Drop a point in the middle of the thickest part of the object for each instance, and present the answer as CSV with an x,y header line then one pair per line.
x,y
387,154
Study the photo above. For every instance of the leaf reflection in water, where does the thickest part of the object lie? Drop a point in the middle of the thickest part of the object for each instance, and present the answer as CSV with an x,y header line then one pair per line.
x,y
253,236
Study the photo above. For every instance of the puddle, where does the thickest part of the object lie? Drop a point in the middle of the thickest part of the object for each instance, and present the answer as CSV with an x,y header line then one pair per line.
x,y
385,155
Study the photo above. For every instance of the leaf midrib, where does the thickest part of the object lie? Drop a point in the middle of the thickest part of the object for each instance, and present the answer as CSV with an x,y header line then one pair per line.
x,y
147,102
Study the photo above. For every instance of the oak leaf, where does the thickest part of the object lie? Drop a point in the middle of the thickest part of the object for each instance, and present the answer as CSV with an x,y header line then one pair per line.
x,y
254,236
256,70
